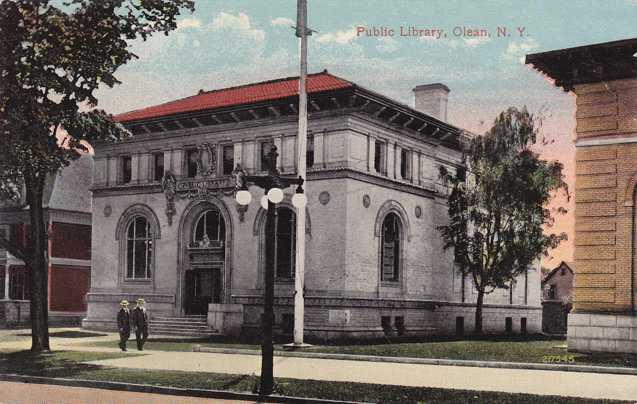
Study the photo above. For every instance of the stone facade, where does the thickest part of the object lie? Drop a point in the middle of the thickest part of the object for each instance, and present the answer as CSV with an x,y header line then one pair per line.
x,y
603,79
351,189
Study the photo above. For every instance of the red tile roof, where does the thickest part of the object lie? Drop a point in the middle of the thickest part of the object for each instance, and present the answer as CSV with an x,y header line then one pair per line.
x,y
246,94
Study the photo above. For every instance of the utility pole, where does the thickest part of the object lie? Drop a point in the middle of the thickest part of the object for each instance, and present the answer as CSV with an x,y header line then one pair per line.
x,y
299,277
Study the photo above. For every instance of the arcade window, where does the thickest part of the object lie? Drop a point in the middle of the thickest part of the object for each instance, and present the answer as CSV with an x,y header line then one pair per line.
x,y
309,154
158,166
379,157
405,164
210,230
228,159
127,167
390,248
266,147
139,249
192,162
284,243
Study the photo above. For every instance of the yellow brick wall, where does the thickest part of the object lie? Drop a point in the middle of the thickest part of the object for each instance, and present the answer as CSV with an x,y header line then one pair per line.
x,y
604,187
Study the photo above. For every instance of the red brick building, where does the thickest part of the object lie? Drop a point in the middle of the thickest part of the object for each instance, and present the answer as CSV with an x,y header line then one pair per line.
x,y
67,204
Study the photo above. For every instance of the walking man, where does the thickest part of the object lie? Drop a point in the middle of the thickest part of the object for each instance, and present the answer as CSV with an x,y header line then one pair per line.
x,y
140,322
123,324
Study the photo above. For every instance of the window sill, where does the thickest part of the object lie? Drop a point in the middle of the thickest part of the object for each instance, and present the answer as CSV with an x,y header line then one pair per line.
x,y
134,280
390,284
284,280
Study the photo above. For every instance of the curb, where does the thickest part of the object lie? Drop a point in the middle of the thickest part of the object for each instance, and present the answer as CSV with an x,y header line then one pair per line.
x,y
425,361
174,391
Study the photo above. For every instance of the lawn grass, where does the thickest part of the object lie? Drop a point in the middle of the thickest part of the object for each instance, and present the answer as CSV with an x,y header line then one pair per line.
x,y
55,364
67,364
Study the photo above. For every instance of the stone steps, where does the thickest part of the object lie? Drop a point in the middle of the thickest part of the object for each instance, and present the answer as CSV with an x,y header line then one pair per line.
x,y
190,326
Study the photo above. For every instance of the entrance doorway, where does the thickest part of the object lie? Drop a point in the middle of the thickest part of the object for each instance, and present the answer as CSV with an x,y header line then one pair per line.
x,y
202,287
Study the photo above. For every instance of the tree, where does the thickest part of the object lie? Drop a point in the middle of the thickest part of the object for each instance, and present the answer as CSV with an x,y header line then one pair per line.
x,y
498,211
53,59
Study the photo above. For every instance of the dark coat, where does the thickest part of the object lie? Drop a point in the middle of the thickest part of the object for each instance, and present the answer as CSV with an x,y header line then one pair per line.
x,y
123,321
140,318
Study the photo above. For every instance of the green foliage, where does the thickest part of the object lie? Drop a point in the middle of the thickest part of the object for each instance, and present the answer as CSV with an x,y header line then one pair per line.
x,y
498,213
53,60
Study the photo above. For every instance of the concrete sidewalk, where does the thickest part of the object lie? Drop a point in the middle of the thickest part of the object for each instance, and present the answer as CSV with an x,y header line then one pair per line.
x,y
541,382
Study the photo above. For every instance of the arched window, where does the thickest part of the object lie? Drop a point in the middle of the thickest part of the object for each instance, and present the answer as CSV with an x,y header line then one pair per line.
x,y
139,249
390,248
210,230
285,242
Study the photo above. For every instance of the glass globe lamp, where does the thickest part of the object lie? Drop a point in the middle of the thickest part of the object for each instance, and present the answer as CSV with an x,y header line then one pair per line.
x,y
299,201
275,195
243,197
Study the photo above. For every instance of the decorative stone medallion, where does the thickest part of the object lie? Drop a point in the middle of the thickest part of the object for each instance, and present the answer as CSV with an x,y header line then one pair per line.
x,y
324,197
108,210
418,211
366,201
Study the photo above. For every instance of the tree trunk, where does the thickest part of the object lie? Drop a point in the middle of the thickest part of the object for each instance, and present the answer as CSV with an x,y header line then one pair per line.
x,y
39,266
478,319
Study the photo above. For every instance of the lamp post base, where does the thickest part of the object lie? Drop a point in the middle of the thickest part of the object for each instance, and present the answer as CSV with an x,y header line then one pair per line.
x,y
295,347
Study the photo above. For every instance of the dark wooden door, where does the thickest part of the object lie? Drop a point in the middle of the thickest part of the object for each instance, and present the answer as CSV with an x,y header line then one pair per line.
x,y
202,287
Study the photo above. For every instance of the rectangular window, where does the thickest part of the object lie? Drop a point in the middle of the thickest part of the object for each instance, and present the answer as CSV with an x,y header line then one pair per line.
x,y
5,235
399,322
158,166
385,322
2,291
266,147
459,326
18,284
127,167
405,164
228,159
192,162
287,323
309,154
523,325
379,157
552,292
508,325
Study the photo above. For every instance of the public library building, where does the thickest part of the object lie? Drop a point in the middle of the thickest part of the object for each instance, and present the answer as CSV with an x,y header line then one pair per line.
x,y
166,226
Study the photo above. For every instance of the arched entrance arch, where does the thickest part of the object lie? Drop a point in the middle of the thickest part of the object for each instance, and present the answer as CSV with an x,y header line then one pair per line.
x,y
204,261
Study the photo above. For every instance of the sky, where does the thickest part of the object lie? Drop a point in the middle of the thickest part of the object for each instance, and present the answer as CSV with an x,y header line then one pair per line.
x,y
225,43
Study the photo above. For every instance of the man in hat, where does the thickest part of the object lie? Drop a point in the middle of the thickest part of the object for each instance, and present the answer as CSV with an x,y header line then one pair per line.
x,y
123,324
140,322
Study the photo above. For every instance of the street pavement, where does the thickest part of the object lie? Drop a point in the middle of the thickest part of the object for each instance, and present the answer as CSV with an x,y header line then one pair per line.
x,y
27,393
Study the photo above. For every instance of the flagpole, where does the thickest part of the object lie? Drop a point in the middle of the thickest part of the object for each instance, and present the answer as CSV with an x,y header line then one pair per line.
x,y
299,302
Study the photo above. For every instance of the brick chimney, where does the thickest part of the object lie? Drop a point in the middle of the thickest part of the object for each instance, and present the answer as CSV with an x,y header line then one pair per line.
x,y
431,99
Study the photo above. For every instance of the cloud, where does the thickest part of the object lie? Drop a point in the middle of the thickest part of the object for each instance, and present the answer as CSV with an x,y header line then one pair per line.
x,y
474,42
340,37
516,51
387,45
240,22
282,22
188,23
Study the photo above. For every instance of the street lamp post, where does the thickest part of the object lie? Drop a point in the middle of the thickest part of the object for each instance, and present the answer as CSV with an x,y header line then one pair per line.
x,y
273,185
